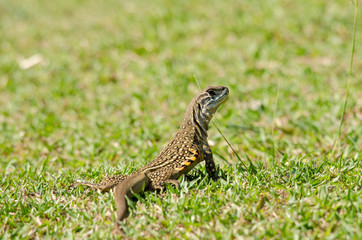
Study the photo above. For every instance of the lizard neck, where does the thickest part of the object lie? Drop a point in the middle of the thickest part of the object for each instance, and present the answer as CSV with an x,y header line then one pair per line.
x,y
195,122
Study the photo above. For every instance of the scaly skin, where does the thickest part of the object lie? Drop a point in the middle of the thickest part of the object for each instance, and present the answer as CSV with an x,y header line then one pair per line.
x,y
188,148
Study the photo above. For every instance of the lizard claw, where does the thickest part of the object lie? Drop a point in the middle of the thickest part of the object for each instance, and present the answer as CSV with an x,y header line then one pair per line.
x,y
217,178
174,182
118,231
161,185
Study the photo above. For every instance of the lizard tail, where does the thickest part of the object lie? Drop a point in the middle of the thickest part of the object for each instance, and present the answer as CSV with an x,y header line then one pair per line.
x,y
122,208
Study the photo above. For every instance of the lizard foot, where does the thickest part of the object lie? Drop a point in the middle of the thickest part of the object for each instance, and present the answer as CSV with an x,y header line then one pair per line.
x,y
160,185
174,182
118,231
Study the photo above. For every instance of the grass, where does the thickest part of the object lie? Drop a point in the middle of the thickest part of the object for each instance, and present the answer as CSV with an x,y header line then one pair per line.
x,y
349,74
111,84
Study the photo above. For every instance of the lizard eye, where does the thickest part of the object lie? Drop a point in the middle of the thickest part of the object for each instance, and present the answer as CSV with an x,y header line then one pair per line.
x,y
212,93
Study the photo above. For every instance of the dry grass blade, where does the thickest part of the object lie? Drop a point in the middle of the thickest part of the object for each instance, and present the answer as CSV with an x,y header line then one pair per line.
x,y
336,140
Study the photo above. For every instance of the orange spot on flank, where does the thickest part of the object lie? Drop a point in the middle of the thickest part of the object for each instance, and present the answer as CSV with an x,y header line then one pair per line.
x,y
193,151
179,169
186,163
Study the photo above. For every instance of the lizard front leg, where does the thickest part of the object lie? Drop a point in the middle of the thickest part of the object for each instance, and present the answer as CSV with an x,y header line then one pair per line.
x,y
160,178
161,185
209,161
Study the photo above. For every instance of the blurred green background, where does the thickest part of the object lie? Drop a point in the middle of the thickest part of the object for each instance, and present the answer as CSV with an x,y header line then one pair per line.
x,y
94,88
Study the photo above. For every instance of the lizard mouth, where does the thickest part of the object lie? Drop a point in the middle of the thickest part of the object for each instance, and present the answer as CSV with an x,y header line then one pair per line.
x,y
222,97
225,94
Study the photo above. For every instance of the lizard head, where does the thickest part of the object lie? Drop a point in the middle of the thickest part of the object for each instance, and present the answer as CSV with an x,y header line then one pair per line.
x,y
209,100
204,106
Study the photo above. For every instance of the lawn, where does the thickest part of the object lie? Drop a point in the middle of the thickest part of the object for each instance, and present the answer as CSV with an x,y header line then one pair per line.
x,y
94,88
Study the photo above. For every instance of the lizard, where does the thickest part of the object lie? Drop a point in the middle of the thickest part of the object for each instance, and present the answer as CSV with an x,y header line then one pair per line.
x,y
188,148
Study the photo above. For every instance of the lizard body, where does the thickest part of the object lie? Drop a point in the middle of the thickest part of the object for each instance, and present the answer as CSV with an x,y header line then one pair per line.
x,y
188,148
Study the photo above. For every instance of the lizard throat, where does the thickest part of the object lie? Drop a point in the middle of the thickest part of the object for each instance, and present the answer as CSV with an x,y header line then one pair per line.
x,y
201,124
